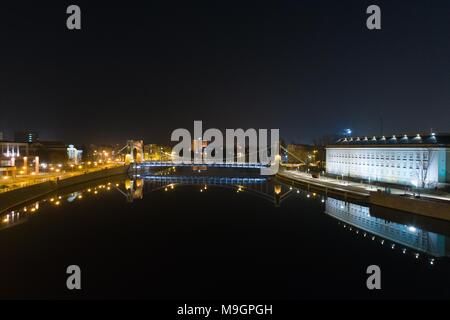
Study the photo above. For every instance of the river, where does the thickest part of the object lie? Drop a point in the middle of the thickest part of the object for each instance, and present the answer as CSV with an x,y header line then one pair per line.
x,y
209,237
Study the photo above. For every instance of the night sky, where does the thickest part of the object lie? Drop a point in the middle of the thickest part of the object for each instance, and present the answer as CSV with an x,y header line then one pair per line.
x,y
140,69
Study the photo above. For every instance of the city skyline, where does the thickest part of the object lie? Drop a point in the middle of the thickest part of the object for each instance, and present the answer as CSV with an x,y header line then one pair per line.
x,y
306,68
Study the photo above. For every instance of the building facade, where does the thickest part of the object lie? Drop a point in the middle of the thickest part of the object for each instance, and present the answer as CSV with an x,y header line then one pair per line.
x,y
74,155
419,160
157,152
10,152
50,152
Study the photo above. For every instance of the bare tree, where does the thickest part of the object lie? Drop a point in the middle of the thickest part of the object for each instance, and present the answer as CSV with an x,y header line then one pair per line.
x,y
325,140
320,144
422,166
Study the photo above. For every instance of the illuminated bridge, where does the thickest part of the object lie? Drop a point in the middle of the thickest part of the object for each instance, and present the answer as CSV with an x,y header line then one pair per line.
x,y
243,165
134,155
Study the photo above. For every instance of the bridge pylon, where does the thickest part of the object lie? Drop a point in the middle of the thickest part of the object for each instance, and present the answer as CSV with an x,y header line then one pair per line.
x,y
135,151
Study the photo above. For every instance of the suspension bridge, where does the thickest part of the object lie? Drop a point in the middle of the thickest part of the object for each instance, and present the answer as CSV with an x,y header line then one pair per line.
x,y
134,155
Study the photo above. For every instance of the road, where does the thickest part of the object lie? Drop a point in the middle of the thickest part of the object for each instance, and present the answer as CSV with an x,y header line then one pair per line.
x,y
355,187
8,184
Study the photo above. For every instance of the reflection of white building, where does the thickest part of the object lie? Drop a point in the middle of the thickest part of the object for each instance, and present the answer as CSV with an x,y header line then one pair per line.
x,y
359,216
421,161
74,155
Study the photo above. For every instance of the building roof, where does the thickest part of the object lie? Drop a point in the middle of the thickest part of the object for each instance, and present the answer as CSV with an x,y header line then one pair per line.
x,y
48,144
395,140
5,142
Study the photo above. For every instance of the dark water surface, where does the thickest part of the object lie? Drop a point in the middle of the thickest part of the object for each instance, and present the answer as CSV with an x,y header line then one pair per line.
x,y
171,238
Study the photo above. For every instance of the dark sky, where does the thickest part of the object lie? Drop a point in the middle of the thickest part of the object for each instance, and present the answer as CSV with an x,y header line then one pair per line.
x,y
140,69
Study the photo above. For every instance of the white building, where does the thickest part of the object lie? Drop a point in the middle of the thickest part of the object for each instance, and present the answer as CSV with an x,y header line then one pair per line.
x,y
11,151
74,155
419,160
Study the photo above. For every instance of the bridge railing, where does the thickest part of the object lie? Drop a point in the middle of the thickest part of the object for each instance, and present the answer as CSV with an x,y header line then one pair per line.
x,y
191,164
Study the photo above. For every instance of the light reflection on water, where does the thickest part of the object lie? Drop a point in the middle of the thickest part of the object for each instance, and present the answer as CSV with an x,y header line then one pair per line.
x,y
408,239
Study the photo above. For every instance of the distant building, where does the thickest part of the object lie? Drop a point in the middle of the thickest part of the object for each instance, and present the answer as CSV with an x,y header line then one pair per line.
x,y
157,152
199,144
26,136
1,136
301,153
12,151
198,147
100,153
74,155
49,151
413,160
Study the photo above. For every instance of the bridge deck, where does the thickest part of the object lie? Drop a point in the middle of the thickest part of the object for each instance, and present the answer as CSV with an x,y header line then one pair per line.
x,y
244,165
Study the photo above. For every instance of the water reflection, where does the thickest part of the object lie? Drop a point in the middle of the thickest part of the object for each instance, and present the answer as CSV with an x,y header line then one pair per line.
x,y
258,186
406,238
70,195
357,218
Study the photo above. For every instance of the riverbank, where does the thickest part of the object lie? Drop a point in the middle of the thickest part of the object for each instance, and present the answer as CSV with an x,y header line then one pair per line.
x,y
23,195
428,205
421,206
345,192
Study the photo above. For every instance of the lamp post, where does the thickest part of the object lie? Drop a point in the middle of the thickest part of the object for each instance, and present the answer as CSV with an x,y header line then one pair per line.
x,y
25,165
36,165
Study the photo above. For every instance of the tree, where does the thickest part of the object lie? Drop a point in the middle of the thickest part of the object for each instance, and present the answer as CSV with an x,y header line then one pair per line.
x,y
325,140
422,166
320,143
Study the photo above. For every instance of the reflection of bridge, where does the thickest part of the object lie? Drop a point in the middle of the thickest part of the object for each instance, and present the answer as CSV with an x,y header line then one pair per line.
x,y
256,186
359,216
205,180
